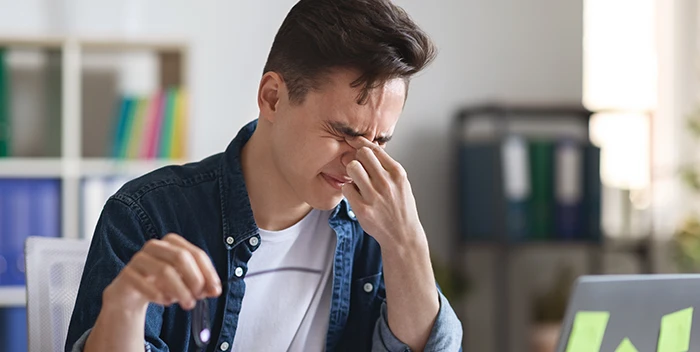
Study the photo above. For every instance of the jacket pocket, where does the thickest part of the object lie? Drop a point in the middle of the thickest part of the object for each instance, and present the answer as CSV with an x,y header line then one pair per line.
x,y
369,291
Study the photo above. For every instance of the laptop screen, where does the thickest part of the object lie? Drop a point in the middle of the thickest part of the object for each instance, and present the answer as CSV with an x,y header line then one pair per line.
x,y
626,313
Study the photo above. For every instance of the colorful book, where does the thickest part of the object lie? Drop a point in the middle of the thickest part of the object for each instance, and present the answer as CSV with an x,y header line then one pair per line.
x,y
155,129
177,150
121,123
168,128
137,128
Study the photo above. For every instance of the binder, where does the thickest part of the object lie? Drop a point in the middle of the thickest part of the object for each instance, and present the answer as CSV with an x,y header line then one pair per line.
x,y
517,187
541,174
13,329
569,189
482,197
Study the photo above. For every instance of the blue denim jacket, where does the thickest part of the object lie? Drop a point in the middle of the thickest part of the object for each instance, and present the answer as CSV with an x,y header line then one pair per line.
x,y
207,203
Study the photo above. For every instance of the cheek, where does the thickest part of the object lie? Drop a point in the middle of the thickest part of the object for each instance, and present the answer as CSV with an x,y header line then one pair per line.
x,y
328,153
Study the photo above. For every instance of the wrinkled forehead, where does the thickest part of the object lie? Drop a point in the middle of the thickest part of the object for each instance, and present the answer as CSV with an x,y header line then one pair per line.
x,y
337,102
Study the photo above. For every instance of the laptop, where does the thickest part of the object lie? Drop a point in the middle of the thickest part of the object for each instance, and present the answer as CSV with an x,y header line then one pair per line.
x,y
625,313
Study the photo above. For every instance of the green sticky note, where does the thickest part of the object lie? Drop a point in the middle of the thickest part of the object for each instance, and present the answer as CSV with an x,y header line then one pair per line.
x,y
626,346
674,335
588,331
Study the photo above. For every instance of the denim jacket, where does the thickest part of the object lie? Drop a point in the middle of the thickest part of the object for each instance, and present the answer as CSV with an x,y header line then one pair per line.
x,y
207,203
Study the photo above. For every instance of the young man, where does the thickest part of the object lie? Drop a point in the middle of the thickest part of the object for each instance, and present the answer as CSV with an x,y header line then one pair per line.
x,y
303,235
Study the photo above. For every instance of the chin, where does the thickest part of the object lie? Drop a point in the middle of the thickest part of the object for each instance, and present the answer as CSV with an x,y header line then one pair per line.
x,y
324,202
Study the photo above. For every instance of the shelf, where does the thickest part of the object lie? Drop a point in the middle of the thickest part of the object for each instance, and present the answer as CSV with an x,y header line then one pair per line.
x,y
116,43
49,42
56,167
130,44
608,244
531,244
13,296
30,167
106,167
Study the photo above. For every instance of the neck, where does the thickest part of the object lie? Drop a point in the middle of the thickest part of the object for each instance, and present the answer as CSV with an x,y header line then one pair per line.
x,y
274,203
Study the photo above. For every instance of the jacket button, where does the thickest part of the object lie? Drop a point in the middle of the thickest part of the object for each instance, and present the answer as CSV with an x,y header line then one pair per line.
x,y
253,241
224,346
352,215
238,272
230,240
368,287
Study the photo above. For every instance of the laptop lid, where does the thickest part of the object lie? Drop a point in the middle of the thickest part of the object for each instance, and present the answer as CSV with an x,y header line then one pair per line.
x,y
632,312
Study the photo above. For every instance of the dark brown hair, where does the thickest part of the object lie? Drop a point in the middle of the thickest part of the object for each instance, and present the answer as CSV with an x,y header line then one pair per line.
x,y
375,37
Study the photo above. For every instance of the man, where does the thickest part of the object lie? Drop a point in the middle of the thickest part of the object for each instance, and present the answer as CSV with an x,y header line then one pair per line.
x,y
303,235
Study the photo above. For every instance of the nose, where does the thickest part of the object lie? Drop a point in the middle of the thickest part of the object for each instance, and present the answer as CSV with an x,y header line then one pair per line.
x,y
348,155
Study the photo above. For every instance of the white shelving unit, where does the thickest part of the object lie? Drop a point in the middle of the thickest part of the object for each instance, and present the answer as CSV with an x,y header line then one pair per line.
x,y
13,296
72,166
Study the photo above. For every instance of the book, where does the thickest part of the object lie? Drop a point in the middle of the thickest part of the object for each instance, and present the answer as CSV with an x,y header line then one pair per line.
x,y
94,193
569,190
31,207
516,186
592,194
5,123
481,195
168,128
13,329
542,197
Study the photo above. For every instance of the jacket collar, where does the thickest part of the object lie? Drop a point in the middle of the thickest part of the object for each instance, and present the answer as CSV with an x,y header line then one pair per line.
x,y
236,212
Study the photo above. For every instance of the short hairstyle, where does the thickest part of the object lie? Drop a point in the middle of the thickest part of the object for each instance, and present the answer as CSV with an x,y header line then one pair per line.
x,y
374,37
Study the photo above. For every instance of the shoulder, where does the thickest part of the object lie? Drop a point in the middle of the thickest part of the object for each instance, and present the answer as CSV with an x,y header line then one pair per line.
x,y
171,178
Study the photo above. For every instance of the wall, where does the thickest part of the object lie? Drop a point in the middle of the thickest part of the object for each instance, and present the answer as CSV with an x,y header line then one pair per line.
x,y
507,50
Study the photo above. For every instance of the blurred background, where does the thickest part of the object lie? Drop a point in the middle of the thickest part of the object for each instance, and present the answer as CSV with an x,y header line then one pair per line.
x,y
550,139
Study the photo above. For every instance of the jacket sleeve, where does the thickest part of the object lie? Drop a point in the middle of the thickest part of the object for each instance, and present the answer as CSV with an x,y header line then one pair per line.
x,y
446,334
122,230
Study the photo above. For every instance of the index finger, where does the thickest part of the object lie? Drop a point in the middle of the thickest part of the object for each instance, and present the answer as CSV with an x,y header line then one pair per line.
x,y
387,162
212,286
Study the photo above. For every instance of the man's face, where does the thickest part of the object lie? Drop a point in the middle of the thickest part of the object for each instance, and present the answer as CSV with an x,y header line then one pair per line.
x,y
309,140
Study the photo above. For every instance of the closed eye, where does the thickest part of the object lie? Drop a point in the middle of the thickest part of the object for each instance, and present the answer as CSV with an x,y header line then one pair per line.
x,y
344,131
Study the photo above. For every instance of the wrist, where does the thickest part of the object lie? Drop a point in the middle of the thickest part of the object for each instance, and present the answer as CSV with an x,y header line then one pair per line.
x,y
121,303
405,242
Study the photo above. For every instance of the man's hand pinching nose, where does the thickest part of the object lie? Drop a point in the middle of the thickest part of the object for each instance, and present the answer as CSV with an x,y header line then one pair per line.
x,y
380,195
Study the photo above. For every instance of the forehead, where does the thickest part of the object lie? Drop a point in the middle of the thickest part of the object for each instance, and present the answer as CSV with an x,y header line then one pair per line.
x,y
337,100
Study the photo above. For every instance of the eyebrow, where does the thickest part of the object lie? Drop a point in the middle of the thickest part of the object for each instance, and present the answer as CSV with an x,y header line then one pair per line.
x,y
348,131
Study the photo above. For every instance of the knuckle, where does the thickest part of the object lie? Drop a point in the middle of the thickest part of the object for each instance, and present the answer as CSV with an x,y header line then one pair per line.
x,y
361,211
383,183
182,256
400,172
138,256
151,243
198,283
167,271
170,236
201,255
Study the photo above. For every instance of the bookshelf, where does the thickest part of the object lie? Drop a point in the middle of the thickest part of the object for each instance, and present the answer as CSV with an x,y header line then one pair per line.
x,y
493,252
13,296
79,133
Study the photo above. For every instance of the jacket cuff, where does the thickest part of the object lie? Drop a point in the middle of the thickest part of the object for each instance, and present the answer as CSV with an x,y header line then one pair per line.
x,y
79,345
446,334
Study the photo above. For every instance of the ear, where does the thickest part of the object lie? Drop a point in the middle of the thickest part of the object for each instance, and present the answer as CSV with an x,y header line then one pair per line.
x,y
271,90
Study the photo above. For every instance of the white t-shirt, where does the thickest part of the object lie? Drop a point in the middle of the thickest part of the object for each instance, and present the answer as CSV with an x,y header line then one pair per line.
x,y
287,299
